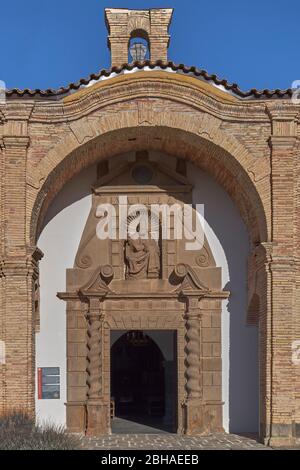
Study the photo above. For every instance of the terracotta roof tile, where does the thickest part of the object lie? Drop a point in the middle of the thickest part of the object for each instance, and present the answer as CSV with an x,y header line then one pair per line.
x,y
231,87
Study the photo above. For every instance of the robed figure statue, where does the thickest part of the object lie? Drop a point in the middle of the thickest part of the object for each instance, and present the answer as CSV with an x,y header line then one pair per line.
x,y
142,258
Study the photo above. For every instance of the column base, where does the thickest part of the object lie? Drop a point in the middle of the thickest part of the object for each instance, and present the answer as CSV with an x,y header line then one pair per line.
x,y
280,441
98,418
76,417
281,435
202,418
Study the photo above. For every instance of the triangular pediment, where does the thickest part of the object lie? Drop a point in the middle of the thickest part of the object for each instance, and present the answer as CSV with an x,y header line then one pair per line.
x,y
141,175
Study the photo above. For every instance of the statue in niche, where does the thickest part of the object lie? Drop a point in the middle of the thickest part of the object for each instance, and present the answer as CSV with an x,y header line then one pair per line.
x,y
142,256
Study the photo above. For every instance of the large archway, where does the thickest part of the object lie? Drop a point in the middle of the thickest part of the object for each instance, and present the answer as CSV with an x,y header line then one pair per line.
x,y
195,135
233,250
199,140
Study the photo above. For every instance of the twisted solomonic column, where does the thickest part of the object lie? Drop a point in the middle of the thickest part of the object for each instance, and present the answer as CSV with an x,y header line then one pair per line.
x,y
94,355
192,350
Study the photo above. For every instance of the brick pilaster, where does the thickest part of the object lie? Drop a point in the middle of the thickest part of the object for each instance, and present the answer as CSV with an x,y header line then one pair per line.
x,y
2,293
20,275
15,194
20,271
282,268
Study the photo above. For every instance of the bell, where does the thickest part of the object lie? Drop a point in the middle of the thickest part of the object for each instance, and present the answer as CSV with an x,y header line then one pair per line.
x,y
138,52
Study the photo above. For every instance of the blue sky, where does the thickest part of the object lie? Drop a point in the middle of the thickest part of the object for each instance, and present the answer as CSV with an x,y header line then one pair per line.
x,y
51,43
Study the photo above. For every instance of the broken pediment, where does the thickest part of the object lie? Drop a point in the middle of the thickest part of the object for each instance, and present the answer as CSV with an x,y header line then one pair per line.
x,y
98,282
188,279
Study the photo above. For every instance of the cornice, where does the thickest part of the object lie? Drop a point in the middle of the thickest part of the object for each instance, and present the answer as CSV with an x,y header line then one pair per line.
x,y
283,111
283,142
16,141
158,85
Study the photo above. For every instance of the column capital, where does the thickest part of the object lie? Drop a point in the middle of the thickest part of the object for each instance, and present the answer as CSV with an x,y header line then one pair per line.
x,y
262,253
282,111
22,265
281,142
282,263
16,141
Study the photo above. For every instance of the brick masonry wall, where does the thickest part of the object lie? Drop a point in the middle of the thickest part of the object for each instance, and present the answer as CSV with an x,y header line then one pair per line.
x,y
251,152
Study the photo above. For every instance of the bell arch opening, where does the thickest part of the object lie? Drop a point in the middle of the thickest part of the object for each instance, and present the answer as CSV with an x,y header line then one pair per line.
x,y
138,46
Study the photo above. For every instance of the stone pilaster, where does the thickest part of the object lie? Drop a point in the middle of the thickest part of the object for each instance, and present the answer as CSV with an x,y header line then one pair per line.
x,y
76,364
211,365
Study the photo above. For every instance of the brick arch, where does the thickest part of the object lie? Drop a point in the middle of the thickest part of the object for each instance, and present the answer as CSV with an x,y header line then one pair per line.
x,y
138,23
199,141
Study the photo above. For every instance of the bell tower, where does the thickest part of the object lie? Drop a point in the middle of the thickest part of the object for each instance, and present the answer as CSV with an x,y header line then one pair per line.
x,y
138,34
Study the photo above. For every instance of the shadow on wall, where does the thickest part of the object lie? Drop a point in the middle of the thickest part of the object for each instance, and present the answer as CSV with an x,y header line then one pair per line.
x,y
229,242
75,190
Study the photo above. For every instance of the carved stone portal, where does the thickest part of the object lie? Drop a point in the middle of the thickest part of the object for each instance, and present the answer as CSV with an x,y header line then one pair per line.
x,y
173,290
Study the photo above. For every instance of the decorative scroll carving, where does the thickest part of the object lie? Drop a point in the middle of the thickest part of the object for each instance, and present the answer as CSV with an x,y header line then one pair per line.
x,y
94,356
189,280
84,260
192,349
203,258
97,285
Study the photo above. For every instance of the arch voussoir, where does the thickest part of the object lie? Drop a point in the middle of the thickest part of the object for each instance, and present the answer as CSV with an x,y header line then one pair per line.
x,y
213,150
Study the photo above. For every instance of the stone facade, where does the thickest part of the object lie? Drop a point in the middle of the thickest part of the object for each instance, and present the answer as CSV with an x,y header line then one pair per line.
x,y
250,146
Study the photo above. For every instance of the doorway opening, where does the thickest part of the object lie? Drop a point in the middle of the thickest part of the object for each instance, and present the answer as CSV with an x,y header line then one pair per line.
x,y
143,381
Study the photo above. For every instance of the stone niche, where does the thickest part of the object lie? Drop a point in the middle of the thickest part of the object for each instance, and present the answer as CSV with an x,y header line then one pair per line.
x,y
119,284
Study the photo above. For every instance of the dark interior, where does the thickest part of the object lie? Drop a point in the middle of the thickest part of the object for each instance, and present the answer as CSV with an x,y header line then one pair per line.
x,y
138,380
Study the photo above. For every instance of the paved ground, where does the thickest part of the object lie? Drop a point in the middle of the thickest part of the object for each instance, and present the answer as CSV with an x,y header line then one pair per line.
x,y
172,442
128,435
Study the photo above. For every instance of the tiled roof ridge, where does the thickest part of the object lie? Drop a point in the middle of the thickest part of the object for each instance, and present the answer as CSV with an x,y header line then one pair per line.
x,y
232,87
